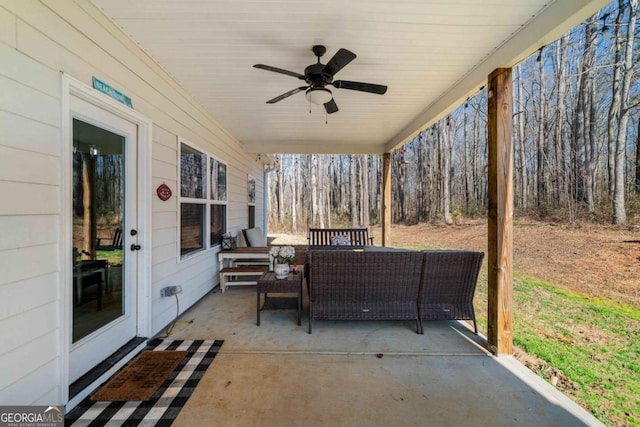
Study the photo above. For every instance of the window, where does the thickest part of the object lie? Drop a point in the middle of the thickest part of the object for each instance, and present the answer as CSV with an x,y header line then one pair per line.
x,y
251,197
252,216
218,196
203,202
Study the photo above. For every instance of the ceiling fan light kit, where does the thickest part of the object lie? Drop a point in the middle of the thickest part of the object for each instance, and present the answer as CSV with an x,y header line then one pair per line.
x,y
318,95
318,75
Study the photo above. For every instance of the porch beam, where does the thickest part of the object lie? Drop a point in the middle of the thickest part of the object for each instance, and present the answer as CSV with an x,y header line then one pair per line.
x,y
386,199
500,215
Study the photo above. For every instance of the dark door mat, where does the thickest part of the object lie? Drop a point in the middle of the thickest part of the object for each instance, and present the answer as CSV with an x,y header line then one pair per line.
x,y
140,377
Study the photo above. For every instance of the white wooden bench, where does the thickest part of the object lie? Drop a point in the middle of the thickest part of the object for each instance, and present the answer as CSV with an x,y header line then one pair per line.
x,y
245,275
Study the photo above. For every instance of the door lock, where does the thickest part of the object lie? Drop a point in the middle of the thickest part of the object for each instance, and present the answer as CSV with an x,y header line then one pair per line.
x,y
135,247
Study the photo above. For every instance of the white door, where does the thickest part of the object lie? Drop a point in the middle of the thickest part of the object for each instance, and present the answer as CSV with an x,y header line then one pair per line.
x,y
104,230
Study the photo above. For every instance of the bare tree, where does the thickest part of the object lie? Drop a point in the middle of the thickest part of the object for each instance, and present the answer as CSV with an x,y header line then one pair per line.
x,y
352,191
446,169
619,211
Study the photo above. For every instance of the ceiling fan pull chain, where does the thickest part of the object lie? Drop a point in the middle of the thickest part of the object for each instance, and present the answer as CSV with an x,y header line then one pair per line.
x,y
309,106
326,117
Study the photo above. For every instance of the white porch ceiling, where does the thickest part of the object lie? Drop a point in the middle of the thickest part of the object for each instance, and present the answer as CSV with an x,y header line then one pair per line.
x,y
432,54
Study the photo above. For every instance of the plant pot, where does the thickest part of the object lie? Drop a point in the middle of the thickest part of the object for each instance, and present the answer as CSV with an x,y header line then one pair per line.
x,y
281,270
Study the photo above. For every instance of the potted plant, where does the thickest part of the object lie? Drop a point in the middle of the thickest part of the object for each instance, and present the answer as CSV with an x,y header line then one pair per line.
x,y
282,257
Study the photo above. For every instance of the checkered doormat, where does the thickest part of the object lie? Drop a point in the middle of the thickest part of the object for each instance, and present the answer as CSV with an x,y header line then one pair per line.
x,y
165,404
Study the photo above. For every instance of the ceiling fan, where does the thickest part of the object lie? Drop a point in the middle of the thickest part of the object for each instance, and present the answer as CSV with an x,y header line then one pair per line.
x,y
319,75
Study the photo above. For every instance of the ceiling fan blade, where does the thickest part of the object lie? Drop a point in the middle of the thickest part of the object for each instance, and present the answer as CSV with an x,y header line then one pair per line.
x,y
331,106
362,87
339,60
279,70
286,95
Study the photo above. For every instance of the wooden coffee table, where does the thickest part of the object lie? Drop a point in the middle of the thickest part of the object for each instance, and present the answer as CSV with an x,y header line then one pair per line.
x,y
268,283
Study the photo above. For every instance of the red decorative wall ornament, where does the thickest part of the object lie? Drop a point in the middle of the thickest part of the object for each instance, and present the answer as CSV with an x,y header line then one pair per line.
x,y
164,192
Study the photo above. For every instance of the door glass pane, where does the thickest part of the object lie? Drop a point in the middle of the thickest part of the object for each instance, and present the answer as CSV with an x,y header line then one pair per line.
x,y
98,219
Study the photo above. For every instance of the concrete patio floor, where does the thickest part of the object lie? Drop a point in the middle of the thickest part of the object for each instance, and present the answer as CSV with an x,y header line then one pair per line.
x,y
357,374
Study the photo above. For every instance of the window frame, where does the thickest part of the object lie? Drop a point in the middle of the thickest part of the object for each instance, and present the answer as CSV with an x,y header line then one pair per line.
x,y
251,202
207,201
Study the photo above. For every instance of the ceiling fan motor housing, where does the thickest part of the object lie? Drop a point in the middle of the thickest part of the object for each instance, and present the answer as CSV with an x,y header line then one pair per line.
x,y
315,77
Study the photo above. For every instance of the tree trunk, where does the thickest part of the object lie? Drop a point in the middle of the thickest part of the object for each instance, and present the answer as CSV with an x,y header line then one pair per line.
x,y
582,121
446,178
320,175
352,186
561,168
619,211
614,108
314,192
365,192
280,188
540,157
474,157
467,185
521,144
294,194
637,186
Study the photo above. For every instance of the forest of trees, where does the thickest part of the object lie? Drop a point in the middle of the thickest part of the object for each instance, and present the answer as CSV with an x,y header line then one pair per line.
x,y
576,146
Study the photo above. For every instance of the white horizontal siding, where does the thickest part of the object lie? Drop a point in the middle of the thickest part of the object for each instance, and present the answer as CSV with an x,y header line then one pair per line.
x,y
162,220
28,199
163,137
165,154
25,101
164,236
29,223
25,263
200,281
38,41
166,206
25,295
28,167
23,231
26,134
164,252
28,71
42,380
39,321
165,170
7,28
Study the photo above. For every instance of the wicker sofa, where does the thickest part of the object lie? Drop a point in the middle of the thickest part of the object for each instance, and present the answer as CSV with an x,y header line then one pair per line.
x,y
391,285
362,285
448,284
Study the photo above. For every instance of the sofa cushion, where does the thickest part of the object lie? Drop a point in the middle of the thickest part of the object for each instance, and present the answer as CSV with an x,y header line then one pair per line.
x,y
255,237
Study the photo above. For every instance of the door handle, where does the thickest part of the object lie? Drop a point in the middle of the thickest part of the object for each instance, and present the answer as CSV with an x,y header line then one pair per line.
x,y
135,247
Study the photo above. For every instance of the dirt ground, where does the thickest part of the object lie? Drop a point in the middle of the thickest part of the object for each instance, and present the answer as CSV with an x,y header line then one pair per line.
x,y
593,260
